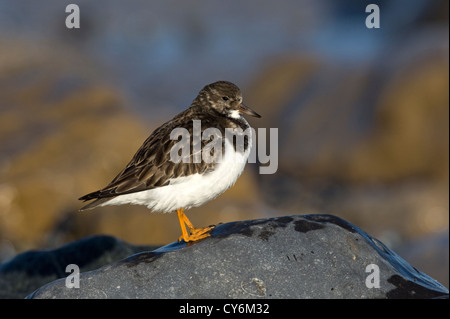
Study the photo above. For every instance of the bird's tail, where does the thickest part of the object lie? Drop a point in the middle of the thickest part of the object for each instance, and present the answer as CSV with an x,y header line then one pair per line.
x,y
97,202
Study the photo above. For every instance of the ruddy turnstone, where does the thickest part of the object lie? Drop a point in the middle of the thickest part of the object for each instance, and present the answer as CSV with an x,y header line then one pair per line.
x,y
154,179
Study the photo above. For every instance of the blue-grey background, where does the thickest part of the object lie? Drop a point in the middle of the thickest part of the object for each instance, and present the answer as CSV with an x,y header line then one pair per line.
x,y
362,113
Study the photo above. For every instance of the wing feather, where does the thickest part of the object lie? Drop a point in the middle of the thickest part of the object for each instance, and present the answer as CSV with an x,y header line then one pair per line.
x,y
151,166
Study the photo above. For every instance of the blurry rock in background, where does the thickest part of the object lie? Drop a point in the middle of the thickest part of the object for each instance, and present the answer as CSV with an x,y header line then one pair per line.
x,y
363,115
370,143
61,130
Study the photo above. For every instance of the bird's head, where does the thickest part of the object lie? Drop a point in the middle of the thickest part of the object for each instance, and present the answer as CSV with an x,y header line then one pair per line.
x,y
226,98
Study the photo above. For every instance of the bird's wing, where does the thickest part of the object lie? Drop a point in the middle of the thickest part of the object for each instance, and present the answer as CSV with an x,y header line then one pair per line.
x,y
152,166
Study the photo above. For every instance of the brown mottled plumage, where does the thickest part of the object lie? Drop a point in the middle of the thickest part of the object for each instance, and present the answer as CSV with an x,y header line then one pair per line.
x,y
218,105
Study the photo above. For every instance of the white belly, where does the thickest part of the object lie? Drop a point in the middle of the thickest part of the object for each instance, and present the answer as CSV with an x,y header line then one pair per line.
x,y
193,190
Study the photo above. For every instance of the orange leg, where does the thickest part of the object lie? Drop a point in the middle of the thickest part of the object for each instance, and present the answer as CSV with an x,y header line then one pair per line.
x,y
194,233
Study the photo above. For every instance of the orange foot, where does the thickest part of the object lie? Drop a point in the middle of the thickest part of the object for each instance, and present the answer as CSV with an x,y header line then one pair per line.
x,y
194,234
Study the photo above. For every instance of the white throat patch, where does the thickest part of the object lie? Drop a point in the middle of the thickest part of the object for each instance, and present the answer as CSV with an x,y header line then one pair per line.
x,y
235,114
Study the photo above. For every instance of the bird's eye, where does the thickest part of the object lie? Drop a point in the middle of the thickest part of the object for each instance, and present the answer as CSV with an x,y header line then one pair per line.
x,y
225,98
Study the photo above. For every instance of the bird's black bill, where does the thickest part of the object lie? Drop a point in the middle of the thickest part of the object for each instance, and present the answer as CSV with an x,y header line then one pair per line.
x,y
244,109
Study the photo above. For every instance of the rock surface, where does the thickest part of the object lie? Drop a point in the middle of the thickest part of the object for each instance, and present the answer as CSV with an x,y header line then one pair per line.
x,y
307,256
30,270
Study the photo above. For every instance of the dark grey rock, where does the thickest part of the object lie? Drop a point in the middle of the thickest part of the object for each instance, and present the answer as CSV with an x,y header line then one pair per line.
x,y
32,269
310,256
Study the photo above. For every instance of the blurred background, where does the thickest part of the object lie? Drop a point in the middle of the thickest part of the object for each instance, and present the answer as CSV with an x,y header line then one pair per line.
x,y
362,114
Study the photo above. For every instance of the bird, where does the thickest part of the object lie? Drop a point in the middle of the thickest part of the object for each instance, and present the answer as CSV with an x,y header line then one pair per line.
x,y
160,178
